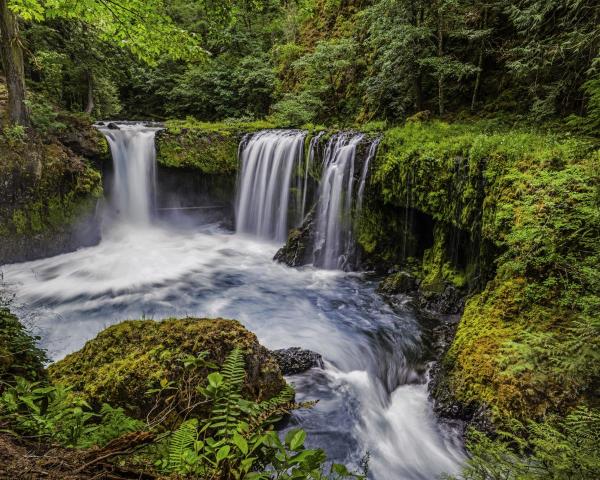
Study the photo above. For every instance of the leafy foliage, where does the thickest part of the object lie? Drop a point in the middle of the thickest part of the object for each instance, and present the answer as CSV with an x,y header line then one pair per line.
x,y
19,354
556,449
236,441
39,410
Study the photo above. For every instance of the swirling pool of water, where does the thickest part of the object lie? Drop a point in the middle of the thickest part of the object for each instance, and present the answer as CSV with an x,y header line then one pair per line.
x,y
372,393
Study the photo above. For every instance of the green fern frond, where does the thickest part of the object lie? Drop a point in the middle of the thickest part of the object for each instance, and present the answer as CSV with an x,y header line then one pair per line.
x,y
233,369
182,441
227,408
285,396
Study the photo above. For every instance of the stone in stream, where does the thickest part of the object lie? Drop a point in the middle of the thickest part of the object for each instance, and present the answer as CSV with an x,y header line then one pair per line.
x,y
296,360
296,250
400,282
113,126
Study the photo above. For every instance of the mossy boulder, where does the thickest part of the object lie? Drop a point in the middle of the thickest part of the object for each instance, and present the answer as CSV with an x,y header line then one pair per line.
x,y
147,366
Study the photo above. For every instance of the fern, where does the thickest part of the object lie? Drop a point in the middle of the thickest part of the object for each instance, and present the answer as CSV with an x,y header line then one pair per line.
x,y
227,408
182,441
282,398
114,423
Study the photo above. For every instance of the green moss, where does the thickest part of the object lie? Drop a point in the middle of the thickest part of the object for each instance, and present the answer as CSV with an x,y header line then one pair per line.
x,y
525,344
19,219
226,128
210,153
127,360
67,189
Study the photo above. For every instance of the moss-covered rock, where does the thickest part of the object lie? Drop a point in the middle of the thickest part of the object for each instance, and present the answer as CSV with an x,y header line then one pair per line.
x,y
48,193
524,210
210,148
144,366
399,282
297,249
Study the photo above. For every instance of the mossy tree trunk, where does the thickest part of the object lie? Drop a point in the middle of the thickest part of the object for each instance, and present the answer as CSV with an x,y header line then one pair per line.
x,y
11,53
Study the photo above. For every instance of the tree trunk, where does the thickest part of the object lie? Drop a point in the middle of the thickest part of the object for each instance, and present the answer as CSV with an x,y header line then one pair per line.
x,y
417,85
479,63
89,107
477,79
12,63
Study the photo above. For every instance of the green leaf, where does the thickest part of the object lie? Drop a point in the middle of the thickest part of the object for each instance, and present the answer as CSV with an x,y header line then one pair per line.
x,y
241,443
222,453
295,439
215,379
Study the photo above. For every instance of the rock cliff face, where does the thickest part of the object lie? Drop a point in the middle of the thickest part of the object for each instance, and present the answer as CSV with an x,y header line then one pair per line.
x,y
49,189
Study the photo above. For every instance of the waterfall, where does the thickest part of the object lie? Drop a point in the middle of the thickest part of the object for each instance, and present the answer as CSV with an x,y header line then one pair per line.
x,y
274,190
310,158
134,158
267,162
333,239
365,172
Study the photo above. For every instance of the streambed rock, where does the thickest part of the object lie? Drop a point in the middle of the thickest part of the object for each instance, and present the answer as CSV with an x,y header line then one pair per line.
x,y
296,360
140,365
443,299
296,250
399,282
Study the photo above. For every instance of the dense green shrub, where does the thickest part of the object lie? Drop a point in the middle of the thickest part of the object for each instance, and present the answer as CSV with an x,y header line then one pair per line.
x,y
54,412
19,353
557,449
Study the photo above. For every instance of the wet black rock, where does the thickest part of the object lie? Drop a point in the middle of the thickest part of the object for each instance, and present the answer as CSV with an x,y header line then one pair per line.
x,y
296,360
113,126
448,408
400,282
296,250
449,302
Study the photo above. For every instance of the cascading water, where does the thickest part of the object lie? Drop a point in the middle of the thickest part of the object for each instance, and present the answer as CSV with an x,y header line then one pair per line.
x,y
365,173
310,159
267,161
333,244
372,394
134,158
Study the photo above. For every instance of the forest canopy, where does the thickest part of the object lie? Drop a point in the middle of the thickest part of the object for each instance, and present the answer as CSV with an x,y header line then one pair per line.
x,y
315,61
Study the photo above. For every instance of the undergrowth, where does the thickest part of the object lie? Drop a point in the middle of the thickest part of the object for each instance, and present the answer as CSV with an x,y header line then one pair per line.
x,y
234,439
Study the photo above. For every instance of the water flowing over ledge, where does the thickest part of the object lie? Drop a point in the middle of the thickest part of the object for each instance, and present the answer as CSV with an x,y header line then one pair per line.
x,y
279,183
134,159
267,162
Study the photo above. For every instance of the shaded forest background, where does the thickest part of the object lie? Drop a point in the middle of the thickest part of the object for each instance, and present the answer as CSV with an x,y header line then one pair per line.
x,y
339,62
